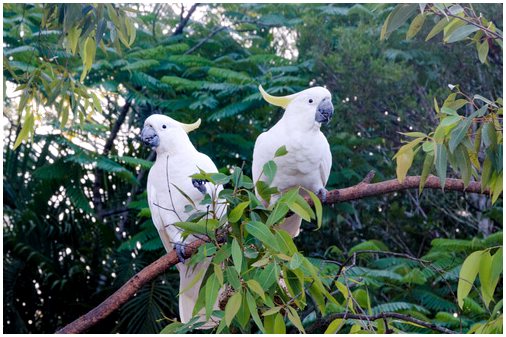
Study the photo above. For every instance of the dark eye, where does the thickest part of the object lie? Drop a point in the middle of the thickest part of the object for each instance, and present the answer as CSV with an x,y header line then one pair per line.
x,y
310,100
164,126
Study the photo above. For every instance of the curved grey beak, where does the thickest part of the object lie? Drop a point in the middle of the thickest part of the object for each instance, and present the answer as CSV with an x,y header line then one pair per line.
x,y
324,111
149,137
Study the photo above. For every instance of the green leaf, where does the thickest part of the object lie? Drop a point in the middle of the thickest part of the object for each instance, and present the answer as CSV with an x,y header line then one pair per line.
x,y
262,233
295,261
334,326
236,214
212,288
438,28
269,275
233,278
414,134
483,99
243,314
293,316
409,146
427,166
237,256
464,164
218,271
256,287
461,33
486,172
285,242
497,188
277,214
317,297
271,311
404,161
294,280
458,134
318,208
397,18
441,162
73,38
497,264
415,26
279,324
450,120
254,311
232,307
467,274
280,152
299,210
483,51
270,169
485,275
26,130
88,55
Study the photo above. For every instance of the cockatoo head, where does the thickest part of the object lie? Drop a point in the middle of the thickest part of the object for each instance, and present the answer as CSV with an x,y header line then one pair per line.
x,y
166,134
310,105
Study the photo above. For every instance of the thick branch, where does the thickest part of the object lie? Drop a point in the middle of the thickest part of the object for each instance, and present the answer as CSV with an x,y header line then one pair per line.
x,y
326,321
362,190
114,302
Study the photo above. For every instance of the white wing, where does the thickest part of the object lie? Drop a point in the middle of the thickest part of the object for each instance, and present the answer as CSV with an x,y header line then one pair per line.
x,y
326,163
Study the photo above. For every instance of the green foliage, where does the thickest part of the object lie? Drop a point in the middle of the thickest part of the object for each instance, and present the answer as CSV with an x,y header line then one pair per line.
x,y
78,184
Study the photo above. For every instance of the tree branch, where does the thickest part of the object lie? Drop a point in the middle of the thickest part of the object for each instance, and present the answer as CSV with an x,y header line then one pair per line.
x,y
359,191
326,321
204,40
114,302
184,20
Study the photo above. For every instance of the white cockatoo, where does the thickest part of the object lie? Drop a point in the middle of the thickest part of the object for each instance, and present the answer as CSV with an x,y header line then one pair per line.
x,y
308,161
176,160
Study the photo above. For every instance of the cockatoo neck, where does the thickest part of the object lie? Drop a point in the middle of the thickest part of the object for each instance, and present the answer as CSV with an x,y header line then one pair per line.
x,y
298,121
175,146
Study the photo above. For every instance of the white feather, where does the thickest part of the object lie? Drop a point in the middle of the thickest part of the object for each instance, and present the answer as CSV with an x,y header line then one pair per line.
x,y
308,161
177,159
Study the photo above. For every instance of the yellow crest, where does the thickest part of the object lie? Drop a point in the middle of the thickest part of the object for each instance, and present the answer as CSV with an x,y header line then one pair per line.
x,y
190,127
281,101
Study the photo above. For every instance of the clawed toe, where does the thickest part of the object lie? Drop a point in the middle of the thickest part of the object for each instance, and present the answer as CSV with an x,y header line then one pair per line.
x,y
322,194
180,252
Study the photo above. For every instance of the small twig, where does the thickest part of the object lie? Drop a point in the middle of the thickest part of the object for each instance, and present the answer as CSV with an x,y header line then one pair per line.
x,y
204,40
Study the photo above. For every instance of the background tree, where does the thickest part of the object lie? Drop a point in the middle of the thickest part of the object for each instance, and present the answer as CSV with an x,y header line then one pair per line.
x,y
74,201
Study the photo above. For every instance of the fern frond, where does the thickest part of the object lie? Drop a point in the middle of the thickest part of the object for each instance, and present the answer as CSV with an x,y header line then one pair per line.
x,y
232,110
181,84
229,75
133,161
190,60
398,306
78,198
143,79
140,65
432,301
159,52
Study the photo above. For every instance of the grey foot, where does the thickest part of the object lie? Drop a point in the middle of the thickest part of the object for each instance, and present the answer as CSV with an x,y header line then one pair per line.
x,y
180,252
322,195
200,185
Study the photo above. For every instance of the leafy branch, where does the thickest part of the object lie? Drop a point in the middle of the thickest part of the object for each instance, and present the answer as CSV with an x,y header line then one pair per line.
x,y
359,191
